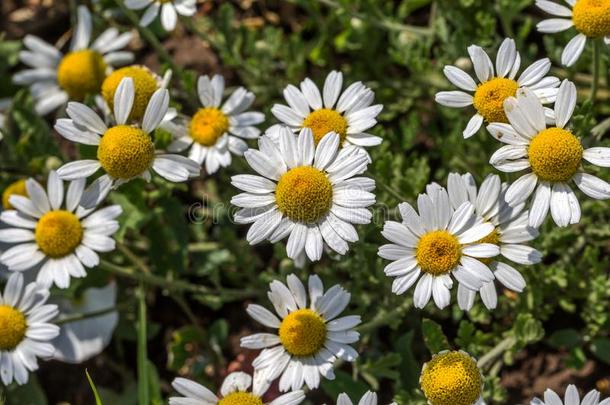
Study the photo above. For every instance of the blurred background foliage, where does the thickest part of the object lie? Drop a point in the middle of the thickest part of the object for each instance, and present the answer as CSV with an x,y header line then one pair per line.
x,y
200,273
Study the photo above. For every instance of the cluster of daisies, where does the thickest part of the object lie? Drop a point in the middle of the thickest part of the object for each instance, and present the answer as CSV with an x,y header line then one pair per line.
x,y
309,187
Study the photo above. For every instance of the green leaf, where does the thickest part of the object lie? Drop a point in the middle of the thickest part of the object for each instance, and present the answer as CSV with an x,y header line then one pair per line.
x,y
601,349
96,395
408,368
28,394
435,339
154,385
564,338
527,329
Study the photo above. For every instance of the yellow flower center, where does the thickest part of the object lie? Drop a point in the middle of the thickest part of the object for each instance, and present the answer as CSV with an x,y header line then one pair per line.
x,y
494,239
16,188
489,98
324,121
555,154
592,17
438,252
240,398
304,194
451,378
125,152
81,72
12,328
58,233
207,125
303,332
144,83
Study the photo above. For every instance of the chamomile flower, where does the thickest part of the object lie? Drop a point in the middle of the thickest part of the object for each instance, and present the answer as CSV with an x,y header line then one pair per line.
x,y
216,131
78,341
25,330
591,18
369,398
235,390
15,188
307,193
435,244
61,238
495,86
124,152
169,10
452,378
572,397
55,78
310,338
511,232
348,114
552,155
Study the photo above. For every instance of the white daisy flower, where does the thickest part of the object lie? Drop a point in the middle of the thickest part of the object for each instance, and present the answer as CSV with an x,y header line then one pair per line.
x,y
439,242
552,155
235,390
81,340
169,10
62,240
216,131
124,152
511,232
25,331
348,114
591,18
369,398
495,86
571,398
309,338
307,193
55,78
452,378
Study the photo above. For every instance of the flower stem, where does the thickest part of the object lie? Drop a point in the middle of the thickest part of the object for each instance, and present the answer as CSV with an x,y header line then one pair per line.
x,y
143,392
384,317
596,69
86,315
497,351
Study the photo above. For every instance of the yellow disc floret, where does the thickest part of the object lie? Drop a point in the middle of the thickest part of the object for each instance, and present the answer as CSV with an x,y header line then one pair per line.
x,y
592,17
16,188
81,72
144,83
125,152
240,398
438,252
324,121
12,327
555,155
489,98
58,233
303,332
207,125
451,378
304,194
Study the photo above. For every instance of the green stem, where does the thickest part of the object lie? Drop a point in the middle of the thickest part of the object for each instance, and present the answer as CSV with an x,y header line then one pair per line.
x,y
87,315
143,392
383,318
596,69
497,351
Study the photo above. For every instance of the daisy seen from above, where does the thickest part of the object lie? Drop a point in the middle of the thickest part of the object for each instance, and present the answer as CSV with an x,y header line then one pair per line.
x,y
436,244
55,232
348,114
238,388
55,78
124,152
310,337
572,397
167,9
218,129
591,18
495,85
25,329
553,156
511,233
309,193
452,378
